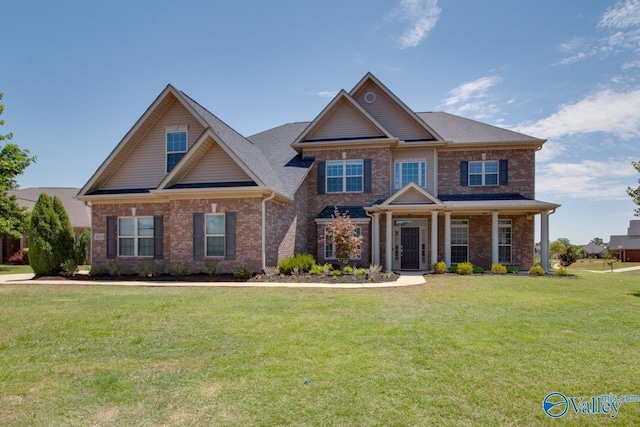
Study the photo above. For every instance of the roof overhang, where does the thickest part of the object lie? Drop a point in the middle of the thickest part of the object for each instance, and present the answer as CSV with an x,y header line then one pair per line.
x,y
471,207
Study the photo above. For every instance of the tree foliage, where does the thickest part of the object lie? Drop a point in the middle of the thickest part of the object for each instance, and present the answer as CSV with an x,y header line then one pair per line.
x,y
51,238
557,247
341,232
13,162
635,193
598,241
569,256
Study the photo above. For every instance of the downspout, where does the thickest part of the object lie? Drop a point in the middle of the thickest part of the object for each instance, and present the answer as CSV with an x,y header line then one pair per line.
x,y
264,229
90,205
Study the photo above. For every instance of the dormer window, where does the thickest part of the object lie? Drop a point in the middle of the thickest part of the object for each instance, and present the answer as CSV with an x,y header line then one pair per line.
x,y
176,146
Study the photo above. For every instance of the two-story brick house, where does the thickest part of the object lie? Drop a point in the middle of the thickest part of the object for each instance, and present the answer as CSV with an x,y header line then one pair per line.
x,y
182,186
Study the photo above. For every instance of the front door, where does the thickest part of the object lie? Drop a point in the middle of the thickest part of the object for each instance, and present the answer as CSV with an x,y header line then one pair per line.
x,y
410,241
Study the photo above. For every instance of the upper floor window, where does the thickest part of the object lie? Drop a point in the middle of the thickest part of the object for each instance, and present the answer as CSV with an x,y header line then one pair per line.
x,y
176,147
344,176
483,173
135,236
406,172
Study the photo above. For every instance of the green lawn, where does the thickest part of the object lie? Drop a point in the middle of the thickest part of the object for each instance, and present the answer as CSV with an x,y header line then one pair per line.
x,y
15,269
480,350
600,265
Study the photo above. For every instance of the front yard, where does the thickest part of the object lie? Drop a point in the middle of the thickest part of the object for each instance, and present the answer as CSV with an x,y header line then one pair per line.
x,y
462,350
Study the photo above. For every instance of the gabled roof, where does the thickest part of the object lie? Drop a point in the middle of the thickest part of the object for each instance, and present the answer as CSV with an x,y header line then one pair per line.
x,y
592,248
412,189
243,151
342,96
370,78
79,213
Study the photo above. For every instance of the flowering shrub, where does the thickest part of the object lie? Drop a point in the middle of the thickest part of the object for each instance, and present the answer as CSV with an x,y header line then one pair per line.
x,y
440,267
498,269
536,270
16,258
465,268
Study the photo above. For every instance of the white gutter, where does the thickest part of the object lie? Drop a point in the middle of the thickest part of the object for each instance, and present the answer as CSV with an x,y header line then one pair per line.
x,y
264,228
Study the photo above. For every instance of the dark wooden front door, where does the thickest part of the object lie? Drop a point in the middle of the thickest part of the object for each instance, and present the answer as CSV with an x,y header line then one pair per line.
x,y
410,241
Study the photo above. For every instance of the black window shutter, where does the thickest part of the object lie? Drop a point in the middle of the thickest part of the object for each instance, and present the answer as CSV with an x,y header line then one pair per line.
x,y
230,235
321,176
198,235
367,175
504,172
158,232
464,173
111,237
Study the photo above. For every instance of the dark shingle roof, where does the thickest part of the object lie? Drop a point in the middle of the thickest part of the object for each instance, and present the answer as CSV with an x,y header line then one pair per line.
x,y
480,197
353,211
462,130
275,144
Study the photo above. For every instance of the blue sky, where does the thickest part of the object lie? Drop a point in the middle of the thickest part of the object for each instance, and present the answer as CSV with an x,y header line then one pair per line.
x,y
77,75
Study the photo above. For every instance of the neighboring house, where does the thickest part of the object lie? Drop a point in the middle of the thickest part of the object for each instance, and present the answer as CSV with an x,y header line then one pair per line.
x,y
79,213
628,246
592,250
182,186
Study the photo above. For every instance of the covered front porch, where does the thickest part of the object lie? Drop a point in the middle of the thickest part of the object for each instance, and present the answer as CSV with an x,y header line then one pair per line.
x,y
412,230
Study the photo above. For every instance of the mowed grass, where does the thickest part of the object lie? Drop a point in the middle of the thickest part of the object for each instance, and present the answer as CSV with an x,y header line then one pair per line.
x,y
15,269
481,350
600,265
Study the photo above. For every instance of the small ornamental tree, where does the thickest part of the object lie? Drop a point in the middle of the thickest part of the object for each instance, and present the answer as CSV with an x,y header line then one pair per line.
x,y
569,256
65,237
341,233
43,233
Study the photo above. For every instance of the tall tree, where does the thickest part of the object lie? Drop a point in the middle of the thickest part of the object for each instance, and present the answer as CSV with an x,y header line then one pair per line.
x,y
598,241
65,237
44,228
13,162
635,193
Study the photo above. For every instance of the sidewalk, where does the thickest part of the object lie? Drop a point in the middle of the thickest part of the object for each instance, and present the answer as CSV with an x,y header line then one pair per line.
x,y
405,279
619,270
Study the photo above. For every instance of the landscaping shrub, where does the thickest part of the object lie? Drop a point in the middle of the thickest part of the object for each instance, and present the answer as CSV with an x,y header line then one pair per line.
x,y
211,268
69,268
465,268
512,270
336,273
17,258
317,270
561,272
43,227
440,267
478,270
303,262
65,237
498,269
347,270
361,272
374,271
183,269
97,270
25,256
453,269
114,268
536,270
242,273
146,269
80,247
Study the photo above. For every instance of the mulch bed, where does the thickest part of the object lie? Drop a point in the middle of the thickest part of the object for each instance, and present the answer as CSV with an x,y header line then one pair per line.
x,y
309,278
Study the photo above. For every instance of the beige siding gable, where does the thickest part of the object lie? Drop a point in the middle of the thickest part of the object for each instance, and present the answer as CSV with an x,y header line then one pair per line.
x,y
389,114
344,121
411,197
214,166
145,164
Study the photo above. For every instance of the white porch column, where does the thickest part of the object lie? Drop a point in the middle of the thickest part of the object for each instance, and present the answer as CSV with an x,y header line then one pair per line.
x,y
544,241
375,250
434,237
495,257
447,238
388,265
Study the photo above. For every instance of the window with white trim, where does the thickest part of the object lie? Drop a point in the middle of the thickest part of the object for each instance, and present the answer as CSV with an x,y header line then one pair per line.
x,y
406,172
459,240
504,241
176,147
344,176
214,235
483,173
135,236
328,245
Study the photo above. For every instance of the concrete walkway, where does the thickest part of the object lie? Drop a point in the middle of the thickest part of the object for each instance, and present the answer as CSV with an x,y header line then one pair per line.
x,y
405,279
618,270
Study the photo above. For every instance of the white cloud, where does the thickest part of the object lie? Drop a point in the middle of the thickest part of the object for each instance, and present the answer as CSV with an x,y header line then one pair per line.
x,y
328,93
422,15
475,89
622,15
606,111
587,180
